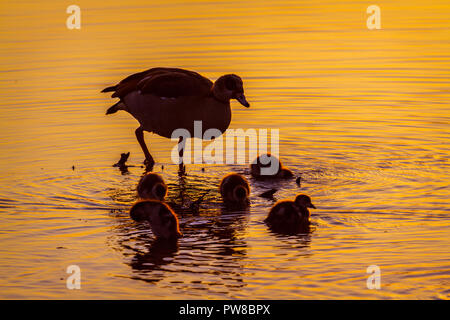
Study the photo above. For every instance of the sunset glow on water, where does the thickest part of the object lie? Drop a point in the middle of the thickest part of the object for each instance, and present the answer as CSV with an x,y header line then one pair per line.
x,y
363,117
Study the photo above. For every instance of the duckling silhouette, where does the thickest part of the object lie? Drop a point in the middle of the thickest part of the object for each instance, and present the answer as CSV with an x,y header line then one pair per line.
x,y
267,166
234,189
165,99
290,216
163,221
152,186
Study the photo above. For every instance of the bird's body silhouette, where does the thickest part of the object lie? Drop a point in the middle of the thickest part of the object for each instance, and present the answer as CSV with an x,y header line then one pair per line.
x,y
163,100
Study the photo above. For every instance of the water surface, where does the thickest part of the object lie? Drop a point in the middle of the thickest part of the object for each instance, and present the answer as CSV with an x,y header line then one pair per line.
x,y
363,118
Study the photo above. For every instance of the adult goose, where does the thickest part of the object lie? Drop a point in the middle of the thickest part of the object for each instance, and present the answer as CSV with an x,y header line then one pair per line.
x,y
165,99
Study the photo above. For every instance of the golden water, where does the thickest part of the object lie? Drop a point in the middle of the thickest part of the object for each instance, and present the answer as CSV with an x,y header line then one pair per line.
x,y
363,117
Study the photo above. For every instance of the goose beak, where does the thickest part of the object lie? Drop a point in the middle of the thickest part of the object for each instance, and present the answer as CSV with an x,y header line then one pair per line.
x,y
243,101
311,206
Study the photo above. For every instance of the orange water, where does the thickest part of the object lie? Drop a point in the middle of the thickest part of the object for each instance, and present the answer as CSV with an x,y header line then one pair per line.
x,y
363,118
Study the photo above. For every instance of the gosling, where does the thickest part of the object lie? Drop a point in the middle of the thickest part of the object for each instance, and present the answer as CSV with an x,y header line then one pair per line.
x,y
235,189
289,215
152,186
163,221
269,166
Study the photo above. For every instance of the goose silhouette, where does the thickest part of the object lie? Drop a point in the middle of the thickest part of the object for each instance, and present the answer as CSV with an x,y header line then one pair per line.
x,y
165,99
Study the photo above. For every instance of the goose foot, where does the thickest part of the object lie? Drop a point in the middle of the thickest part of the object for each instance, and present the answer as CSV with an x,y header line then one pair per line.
x,y
149,163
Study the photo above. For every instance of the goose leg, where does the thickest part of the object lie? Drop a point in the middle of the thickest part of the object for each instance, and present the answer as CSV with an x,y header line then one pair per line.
x,y
140,138
181,144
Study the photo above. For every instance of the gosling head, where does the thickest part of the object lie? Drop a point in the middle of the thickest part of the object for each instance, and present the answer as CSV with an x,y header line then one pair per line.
x,y
234,189
163,221
240,194
304,201
152,186
229,87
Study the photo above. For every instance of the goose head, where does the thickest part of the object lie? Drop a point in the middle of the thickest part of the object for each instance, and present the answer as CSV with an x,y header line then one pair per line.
x,y
152,186
229,87
163,221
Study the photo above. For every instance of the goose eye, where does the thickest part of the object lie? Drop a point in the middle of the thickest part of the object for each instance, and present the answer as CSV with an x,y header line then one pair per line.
x,y
230,84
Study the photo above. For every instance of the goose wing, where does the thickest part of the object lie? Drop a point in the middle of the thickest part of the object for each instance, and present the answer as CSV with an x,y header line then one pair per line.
x,y
163,82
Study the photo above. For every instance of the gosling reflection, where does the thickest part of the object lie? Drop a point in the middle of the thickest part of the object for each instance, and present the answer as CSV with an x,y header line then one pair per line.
x,y
297,245
231,221
223,248
160,252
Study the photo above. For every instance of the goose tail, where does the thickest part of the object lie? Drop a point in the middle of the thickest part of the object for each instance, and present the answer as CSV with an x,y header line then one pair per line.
x,y
116,107
109,89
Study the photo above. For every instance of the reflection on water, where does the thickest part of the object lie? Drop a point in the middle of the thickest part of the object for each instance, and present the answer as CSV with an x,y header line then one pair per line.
x,y
363,119
210,242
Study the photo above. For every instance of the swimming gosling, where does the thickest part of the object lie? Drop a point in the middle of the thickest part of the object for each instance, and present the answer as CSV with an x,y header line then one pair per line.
x,y
165,99
287,214
268,166
163,221
152,186
234,189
